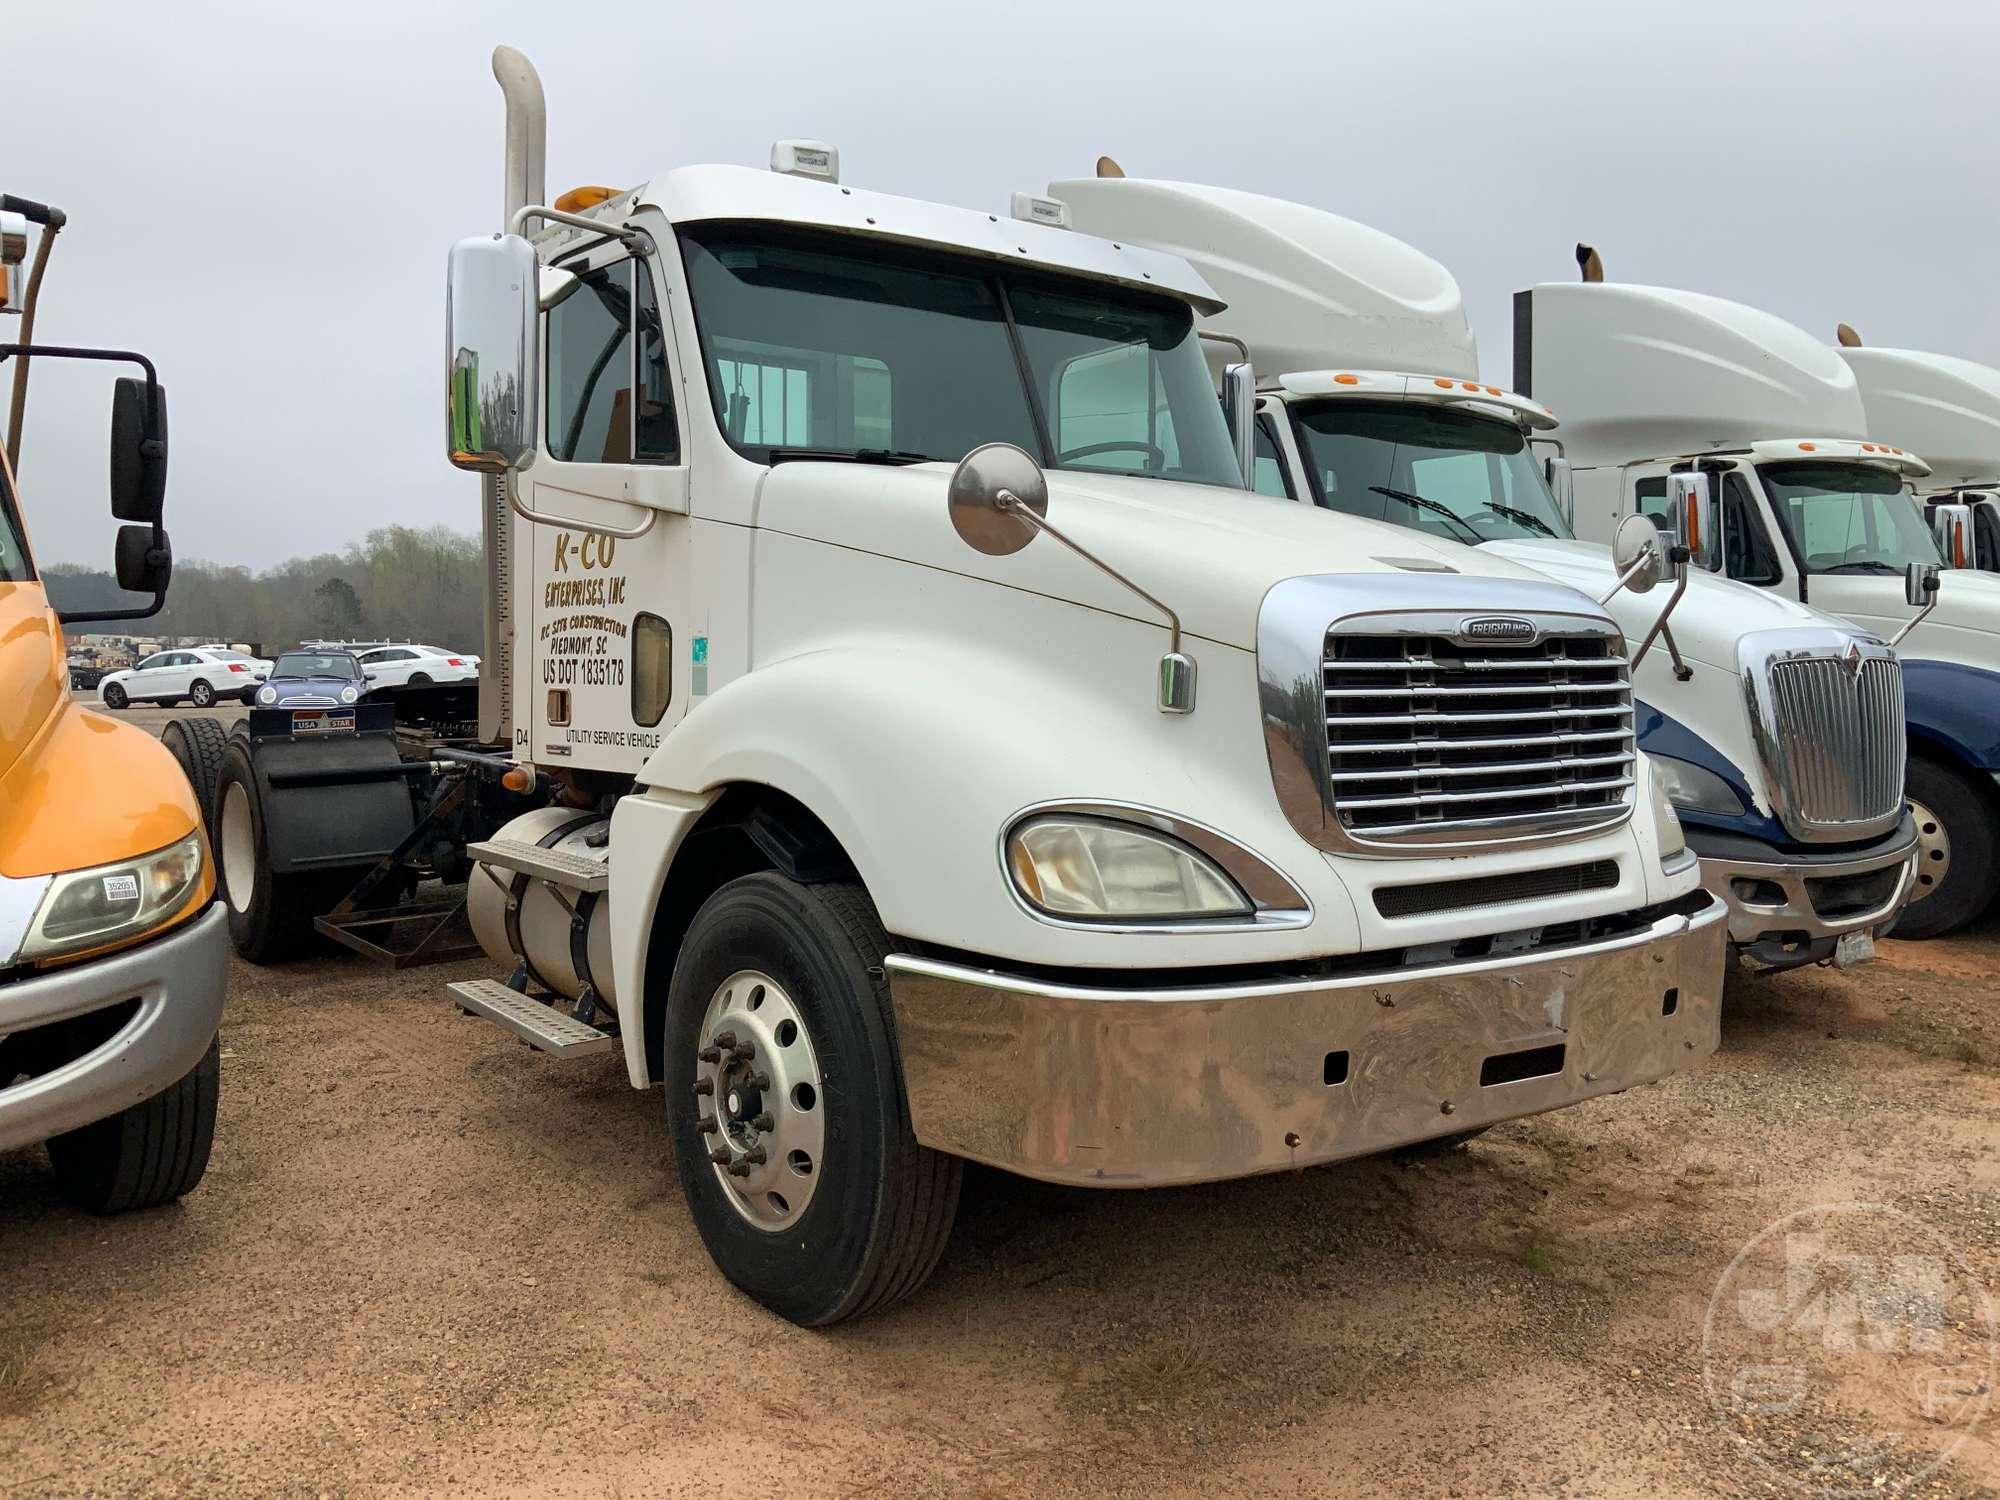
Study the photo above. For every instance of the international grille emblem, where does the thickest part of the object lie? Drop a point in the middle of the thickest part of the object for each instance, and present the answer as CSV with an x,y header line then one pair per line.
x,y
1852,660
1496,628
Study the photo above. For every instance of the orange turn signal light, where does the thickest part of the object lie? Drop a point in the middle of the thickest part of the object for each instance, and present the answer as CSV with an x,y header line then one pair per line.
x,y
577,199
518,778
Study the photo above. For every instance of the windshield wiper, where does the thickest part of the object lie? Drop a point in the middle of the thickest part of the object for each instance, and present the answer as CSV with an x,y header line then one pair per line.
x,y
779,455
1870,566
1526,518
1431,505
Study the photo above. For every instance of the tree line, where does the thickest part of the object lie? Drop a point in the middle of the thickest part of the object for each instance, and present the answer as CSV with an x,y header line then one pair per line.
x,y
399,583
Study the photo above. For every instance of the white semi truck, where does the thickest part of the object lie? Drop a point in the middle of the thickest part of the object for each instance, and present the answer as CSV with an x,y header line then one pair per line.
x,y
1371,405
1807,502
1947,409
875,764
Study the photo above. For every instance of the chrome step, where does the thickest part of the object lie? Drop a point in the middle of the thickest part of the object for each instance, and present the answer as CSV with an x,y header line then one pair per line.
x,y
542,1027
572,872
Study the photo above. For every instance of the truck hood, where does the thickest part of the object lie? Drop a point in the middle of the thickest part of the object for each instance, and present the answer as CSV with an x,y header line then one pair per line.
x,y
76,788
1209,552
1711,618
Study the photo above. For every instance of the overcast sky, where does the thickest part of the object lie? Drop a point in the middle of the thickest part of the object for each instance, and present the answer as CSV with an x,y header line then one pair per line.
x,y
262,192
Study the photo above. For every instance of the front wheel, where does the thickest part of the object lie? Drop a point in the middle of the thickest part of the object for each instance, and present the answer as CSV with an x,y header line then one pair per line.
x,y
147,1155
114,696
201,695
1955,851
785,1104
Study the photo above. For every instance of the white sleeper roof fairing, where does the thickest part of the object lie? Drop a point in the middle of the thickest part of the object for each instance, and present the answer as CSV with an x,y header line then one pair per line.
x,y
1306,289
1946,408
1638,372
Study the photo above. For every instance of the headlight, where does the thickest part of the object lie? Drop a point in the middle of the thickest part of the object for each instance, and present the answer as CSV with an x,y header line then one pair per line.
x,y
1092,871
109,903
347,695
1695,787
267,695
1672,840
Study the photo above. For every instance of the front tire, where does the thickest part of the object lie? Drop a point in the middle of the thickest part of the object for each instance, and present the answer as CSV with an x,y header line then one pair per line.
x,y
114,696
1955,850
270,915
198,745
877,1207
201,695
147,1155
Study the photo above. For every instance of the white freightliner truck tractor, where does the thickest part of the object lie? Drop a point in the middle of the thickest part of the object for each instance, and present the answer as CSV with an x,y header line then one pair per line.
x,y
1659,388
1947,409
897,778
1370,405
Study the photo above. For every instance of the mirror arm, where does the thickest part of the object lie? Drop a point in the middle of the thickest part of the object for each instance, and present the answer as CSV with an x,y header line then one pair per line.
x,y
510,486
1623,578
1915,620
1680,588
1011,502
638,241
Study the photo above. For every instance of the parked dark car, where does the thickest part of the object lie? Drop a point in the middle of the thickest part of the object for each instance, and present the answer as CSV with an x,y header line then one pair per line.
x,y
83,678
312,679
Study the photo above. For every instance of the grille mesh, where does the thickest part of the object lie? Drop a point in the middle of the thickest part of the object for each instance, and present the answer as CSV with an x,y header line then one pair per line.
x,y
1429,739
1840,746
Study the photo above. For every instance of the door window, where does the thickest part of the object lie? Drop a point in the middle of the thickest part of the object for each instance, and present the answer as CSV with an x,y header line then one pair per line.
x,y
594,367
1649,499
1267,473
151,662
1752,558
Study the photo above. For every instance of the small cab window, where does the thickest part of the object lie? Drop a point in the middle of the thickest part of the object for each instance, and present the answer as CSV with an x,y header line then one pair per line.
x,y
1752,558
1649,498
594,367
1267,473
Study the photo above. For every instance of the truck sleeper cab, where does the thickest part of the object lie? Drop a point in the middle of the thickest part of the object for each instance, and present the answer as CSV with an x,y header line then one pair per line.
x,y
1810,506
1445,454
883,830
112,953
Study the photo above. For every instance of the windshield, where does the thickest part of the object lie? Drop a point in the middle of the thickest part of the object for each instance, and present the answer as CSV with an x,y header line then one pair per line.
x,y
1847,518
314,664
1452,473
15,566
819,347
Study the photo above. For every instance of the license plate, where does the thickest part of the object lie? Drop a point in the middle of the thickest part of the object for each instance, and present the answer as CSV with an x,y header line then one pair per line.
x,y
322,721
1852,948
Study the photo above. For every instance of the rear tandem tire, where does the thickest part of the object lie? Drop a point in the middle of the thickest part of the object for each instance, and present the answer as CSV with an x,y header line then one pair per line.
x,y
1957,843
270,916
147,1155
881,1206
198,745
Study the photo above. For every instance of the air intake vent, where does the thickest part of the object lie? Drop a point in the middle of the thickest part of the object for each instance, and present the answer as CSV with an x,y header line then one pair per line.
x,y
1433,740
1436,896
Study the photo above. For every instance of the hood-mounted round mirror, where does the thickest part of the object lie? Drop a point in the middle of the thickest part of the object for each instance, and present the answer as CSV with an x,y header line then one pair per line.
x,y
983,521
1638,541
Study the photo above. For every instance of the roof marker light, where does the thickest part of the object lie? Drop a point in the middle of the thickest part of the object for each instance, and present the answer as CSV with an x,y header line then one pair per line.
x,y
1808,447
1470,385
1347,380
577,199
1869,448
1493,390
1441,383
1035,209
814,159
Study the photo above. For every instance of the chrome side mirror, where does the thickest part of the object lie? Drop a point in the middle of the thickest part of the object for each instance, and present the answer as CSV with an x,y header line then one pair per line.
x,y
1920,592
492,353
1639,556
1952,526
1562,487
1697,517
998,499
1239,407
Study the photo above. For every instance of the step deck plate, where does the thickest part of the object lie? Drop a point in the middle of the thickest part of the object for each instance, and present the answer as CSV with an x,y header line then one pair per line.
x,y
542,1027
573,872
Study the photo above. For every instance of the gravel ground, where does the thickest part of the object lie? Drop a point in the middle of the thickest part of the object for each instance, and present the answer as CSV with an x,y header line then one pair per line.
x,y
425,1258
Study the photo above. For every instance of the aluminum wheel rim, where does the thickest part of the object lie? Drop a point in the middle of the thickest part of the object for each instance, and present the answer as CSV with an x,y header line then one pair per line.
x,y
760,1101
239,847
1933,852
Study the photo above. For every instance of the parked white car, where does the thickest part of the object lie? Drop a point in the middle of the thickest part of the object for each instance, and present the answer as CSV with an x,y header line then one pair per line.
x,y
399,666
203,676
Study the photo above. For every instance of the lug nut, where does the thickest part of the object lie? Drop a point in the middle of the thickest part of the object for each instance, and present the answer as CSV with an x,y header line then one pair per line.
x,y
761,1081
706,1124
724,1039
710,1054
720,1156
704,1086
754,1157
765,1121
739,1169
745,1050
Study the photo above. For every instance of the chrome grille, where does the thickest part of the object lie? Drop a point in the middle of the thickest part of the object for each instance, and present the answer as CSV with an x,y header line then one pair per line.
x,y
1431,739
1837,742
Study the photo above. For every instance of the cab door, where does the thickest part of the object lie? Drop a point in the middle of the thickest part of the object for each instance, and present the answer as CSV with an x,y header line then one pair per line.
x,y
606,609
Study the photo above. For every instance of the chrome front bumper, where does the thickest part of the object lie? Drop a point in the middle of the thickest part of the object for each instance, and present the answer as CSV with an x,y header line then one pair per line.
x,y
179,983
1140,1087
1784,912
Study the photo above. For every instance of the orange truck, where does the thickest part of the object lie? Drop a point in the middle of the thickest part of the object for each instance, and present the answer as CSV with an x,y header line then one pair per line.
x,y
113,951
